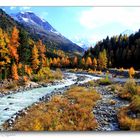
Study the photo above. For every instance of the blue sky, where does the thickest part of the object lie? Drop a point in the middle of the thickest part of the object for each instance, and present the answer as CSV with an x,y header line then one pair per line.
x,y
90,23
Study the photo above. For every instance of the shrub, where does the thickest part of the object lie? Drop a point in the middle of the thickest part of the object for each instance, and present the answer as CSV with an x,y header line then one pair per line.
x,y
130,87
58,74
105,81
135,103
35,78
91,83
11,85
126,122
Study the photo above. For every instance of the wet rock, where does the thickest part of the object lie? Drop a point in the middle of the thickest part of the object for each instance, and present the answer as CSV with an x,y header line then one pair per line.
x,y
6,108
9,97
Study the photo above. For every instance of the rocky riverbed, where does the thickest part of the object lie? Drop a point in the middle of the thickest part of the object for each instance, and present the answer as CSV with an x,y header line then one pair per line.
x,y
106,109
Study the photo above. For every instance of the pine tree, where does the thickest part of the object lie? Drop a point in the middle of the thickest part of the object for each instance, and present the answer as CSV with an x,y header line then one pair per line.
x,y
4,54
14,72
89,62
35,59
58,62
105,58
14,44
54,62
63,62
28,70
94,64
50,61
42,50
102,60
83,62
75,61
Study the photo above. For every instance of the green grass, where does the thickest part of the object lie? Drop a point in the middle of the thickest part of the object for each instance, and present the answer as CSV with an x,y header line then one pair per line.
x,y
105,81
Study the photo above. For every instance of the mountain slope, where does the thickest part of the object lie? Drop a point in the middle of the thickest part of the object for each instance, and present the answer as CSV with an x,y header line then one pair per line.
x,y
39,28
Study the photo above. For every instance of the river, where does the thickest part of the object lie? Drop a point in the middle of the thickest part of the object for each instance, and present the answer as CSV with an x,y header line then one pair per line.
x,y
13,103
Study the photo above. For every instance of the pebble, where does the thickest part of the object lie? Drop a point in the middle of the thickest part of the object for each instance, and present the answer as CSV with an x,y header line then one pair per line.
x,y
105,113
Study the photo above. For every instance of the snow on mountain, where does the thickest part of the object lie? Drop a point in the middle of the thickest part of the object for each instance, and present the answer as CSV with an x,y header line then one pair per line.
x,y
29,17
127,32
83,43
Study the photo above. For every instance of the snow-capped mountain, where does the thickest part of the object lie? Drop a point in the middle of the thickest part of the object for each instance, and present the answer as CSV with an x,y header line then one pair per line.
x,y
41,29
32,19
127,32
83,43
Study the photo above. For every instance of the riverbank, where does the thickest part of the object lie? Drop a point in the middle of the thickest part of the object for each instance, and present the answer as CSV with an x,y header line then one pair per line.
x,y
105,110
10,86
69,111
14,103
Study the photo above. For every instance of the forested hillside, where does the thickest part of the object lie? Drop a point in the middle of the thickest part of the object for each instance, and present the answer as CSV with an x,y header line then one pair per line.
x,y
122,50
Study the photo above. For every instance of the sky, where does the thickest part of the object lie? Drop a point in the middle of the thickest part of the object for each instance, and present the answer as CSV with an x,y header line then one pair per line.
x,y
88,23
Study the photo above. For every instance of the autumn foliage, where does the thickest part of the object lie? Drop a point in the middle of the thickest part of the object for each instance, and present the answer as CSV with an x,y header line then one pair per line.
x,y
131,72
14,44
35,58
71,111
14,72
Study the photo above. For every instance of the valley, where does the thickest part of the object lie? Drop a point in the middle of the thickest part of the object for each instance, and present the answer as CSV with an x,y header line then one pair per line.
x,y
49,83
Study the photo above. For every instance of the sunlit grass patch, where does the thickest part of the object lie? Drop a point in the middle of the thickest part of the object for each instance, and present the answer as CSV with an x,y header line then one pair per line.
x,y
105,81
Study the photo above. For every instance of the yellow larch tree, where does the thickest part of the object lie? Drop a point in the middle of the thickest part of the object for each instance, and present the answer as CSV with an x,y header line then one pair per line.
x,y
35,58
14,72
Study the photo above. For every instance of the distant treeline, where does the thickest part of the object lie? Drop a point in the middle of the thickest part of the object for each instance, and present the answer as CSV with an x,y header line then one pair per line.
x,y
122,50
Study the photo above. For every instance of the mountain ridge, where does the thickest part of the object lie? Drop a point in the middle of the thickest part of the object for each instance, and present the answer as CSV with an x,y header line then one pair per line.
x,y
44,31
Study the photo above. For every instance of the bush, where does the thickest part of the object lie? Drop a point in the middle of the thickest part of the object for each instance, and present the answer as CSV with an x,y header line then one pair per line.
x,y
105,81
35,78
11,85
135,103
45,74
91,83
58,74
129,90
126,122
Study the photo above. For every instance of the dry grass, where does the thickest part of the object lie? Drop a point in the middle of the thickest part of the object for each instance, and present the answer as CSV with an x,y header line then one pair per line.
x,y
129,89
71,111
126,122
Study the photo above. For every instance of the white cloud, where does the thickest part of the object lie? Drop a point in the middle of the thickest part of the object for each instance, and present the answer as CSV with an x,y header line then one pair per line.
x,y
12,8
100,16
25,8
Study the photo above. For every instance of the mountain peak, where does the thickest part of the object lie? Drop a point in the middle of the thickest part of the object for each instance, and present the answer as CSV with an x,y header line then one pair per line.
x,y
127,32
29,17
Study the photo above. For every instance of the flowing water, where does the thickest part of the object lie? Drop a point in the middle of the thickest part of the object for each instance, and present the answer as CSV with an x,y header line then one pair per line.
x,y
11,104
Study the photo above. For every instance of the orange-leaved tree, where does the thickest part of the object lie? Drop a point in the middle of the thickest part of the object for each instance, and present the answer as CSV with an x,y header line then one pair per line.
x,y
131,72
14,44
42,50
35,58
14,72
75,61
89,62
94,64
